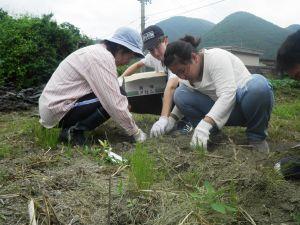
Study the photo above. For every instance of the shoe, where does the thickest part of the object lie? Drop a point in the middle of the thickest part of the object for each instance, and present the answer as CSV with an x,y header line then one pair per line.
x,y
261,146
72,136
77,137
184,127
289,167
64,135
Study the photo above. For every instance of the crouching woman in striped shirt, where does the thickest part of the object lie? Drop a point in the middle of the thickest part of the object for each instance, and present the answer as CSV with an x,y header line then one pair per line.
x,y
217,90
84,92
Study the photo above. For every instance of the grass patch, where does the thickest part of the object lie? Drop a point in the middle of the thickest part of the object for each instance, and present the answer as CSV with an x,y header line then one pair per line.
x,y
142,167
285,123
5,151
46,138
288,111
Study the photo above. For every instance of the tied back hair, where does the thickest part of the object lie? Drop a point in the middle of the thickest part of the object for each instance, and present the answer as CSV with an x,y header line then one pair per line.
x,y
181,51
288,54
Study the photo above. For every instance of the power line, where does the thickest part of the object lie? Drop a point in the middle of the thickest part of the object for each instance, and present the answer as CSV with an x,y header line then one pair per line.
x,y
168,10
213,3
190,10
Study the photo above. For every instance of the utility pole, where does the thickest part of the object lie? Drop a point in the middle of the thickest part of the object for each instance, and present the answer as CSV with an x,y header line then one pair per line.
x,y
143,3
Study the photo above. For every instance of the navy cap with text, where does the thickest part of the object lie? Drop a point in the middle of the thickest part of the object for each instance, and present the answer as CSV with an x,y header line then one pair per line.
x,y
151,36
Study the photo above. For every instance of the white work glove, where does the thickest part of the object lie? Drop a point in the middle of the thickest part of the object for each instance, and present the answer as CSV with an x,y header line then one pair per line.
x,y
159,127
140,136
201,135
162,126
171,124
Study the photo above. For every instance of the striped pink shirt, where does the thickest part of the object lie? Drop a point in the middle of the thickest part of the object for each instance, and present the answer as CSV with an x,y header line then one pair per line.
x,y
89,69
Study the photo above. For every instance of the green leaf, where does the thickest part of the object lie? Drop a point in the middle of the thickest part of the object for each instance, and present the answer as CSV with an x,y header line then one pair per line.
x,y
229,208
195,195
210,189
219,207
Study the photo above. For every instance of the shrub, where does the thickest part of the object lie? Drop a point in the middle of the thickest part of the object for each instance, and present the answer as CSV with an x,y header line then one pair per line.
x,y
31,48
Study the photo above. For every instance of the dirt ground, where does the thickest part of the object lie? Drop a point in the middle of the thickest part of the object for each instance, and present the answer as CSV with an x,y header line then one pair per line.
x,y
69,186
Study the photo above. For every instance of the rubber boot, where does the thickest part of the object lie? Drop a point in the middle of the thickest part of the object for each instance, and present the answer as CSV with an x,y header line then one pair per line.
x,y
76,132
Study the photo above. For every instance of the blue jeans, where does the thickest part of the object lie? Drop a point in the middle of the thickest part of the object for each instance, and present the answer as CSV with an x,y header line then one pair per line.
x,y
253,107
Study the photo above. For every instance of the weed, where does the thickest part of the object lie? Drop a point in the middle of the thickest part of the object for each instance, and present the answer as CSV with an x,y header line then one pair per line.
x,y
142,167
209,198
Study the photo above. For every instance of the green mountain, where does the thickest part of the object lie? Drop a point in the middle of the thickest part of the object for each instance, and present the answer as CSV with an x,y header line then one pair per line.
x,y
293,27
176,27
240,29
246,30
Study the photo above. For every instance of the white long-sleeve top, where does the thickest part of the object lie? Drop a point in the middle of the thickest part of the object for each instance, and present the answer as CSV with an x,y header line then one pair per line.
x,y
89,69
223,74
154,63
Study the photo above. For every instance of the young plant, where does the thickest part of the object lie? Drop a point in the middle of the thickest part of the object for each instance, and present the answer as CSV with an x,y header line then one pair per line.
x,y
142,167
108,155
209,198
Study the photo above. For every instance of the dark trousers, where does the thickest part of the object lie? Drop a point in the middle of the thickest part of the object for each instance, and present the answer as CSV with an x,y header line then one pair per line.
x,y
87,113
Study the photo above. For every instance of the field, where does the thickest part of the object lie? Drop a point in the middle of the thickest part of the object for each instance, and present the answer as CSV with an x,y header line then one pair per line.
x,y
162,182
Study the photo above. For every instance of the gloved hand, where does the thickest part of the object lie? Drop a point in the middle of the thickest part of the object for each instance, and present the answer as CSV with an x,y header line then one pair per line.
x,y
201,135
140,136
159,127
171,124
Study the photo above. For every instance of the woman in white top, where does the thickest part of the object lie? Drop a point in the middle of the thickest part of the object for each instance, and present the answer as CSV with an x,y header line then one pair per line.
x,y
217,90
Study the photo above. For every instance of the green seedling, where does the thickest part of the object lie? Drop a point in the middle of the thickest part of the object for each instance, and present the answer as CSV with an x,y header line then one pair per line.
x,y
142,167
209,198
108,154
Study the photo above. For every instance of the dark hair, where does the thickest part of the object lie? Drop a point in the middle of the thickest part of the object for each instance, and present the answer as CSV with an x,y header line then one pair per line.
x,y
181,51
113,47
288,54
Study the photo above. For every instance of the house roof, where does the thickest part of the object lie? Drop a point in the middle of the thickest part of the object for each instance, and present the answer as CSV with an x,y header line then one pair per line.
x,y
237,49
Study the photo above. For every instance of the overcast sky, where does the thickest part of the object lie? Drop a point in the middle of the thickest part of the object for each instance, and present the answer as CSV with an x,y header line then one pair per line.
x,y
99,18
